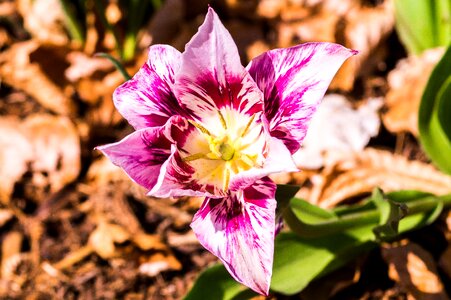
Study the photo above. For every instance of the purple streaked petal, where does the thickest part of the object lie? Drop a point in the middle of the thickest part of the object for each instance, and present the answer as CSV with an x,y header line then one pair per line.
x,y
142,153
293,82
211,76
277,160
147,100
240,230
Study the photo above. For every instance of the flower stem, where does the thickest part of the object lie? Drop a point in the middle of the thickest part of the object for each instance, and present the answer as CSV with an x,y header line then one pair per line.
x,y
422,205
116,64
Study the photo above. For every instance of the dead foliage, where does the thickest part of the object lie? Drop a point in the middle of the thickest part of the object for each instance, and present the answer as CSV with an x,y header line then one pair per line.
x,y
74,226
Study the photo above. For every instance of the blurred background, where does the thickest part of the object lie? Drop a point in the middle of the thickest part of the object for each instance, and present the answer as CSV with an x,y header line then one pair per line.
x,y
73,226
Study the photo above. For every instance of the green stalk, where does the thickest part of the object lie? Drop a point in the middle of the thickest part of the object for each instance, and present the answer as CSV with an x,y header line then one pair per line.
x,y
423,205
100,8
117,64
129,46
75,30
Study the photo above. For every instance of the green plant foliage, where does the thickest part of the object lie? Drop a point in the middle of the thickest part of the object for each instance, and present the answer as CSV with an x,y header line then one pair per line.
x,y
434,119
343,234
284,193
423,24
117,64
391,213
216,283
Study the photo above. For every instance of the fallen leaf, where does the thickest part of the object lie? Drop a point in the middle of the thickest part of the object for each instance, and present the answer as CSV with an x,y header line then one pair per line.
x,y
158,263
365,29
337,130
45,20
148,241
26,65
361,173
351,23
56,150
82,65
406,84
16,153
415,270
270,9
11,247
5,216
102,239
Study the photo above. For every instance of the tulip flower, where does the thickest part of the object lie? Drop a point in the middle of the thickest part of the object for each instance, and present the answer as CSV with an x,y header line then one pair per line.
x,y
207,126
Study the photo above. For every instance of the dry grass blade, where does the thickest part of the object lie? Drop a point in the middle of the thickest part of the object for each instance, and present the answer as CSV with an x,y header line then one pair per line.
x,y
376,168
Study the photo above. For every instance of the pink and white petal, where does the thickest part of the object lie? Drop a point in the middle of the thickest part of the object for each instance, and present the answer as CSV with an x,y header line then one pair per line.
x,y
147,100
278,160
240,231
293,82
211,76
140,154
178,178
143,153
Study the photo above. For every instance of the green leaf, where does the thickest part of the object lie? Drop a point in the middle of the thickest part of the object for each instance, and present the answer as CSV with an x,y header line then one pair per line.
x,y
216,283
434,121
284,193
391,213
423,24
299,260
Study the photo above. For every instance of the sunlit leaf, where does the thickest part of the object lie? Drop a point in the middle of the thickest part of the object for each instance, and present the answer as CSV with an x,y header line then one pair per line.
x,y
434,117
216,283
423,25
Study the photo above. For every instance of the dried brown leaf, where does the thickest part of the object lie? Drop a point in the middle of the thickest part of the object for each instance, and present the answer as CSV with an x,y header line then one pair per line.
x,y
82,65
372,168
270,8
56,150
350,23
27,66
102,239
15,154
365,29
7,8
158,263
11,247
45,20
5,216
148,241
406,84
415,270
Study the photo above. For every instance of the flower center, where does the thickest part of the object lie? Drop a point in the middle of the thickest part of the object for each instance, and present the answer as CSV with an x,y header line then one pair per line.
x,y
233,146
227,151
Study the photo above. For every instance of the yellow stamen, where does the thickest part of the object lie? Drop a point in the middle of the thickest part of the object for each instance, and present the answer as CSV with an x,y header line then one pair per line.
x,y
223,121
247,159
200,127
226,178
246,129
194,157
